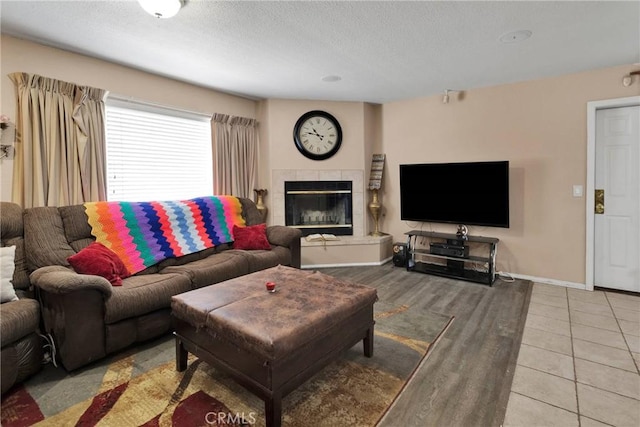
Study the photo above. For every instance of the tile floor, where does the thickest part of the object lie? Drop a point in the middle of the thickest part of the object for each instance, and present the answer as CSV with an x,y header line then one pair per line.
x,y
578,362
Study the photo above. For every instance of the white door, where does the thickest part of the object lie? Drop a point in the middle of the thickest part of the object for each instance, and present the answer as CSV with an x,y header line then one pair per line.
x,y
617,228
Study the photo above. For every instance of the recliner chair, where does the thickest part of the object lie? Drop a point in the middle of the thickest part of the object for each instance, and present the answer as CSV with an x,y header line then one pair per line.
x,y
22,347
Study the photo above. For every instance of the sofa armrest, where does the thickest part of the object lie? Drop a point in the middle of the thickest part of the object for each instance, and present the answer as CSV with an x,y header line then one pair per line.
x,y
18,319
73,312
288,237
62,280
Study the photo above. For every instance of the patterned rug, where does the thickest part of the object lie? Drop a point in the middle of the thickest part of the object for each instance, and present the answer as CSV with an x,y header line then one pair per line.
x,y
141,387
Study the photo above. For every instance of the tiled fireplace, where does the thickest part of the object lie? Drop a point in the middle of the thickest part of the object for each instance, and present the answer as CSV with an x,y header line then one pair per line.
x,y
355,177
319,207
357,248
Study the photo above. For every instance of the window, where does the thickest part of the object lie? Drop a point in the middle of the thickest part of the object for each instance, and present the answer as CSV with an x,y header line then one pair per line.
x,y
156,153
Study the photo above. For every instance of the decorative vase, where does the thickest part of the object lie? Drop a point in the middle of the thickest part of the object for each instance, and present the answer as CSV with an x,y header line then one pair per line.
x,y
260,203
374,209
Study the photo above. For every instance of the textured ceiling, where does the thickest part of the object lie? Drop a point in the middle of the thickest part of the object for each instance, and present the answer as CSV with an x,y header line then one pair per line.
x,y
384,51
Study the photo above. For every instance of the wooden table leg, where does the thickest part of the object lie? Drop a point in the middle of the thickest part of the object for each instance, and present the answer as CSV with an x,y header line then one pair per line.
x,y
273,411
367,343
181,355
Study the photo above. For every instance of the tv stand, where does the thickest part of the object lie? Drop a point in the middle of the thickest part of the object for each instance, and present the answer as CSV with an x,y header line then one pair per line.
x,y
447,255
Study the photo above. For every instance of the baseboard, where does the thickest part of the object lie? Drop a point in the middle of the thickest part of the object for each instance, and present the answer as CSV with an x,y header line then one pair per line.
x,y
353,264
548,281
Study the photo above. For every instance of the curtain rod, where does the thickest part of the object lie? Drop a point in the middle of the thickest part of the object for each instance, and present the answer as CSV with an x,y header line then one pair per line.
x,y
131,100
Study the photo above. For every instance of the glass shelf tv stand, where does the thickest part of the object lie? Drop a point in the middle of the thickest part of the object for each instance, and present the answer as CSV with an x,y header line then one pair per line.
x,y
447,255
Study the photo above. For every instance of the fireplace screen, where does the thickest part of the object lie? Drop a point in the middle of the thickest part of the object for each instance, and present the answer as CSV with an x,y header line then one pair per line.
x,y
319,207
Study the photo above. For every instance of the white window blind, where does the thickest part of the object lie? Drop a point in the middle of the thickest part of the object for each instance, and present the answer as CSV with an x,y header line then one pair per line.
x,y
156,153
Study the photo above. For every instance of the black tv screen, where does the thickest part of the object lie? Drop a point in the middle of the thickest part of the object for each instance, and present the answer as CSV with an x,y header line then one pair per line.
x,y
473,193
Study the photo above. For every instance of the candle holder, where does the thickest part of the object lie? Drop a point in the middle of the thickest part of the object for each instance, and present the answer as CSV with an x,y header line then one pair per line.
x,y
271,286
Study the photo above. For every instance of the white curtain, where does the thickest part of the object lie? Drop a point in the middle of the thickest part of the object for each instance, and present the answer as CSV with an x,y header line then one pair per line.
x,y
235,155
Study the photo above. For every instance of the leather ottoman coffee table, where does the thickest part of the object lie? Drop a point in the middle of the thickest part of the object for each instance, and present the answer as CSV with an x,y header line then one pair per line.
x,y
272,342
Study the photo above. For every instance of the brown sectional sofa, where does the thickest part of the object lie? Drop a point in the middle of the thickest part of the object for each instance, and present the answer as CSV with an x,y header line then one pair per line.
x,y
89,318
21,352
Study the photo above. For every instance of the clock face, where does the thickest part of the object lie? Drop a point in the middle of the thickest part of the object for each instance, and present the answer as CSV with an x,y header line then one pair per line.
x,y
317,135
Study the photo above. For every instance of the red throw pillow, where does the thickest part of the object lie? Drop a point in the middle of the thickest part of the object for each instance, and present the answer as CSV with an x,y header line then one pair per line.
x,y
99,260
251,237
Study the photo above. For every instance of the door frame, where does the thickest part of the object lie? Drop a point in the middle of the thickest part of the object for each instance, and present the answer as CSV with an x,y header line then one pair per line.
x,y
592,108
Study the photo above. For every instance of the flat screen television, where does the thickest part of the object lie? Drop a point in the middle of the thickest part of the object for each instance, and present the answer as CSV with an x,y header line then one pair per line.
x,y
472,193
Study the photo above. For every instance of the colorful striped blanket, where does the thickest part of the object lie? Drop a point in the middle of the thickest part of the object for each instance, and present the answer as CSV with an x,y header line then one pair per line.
x,y
145,233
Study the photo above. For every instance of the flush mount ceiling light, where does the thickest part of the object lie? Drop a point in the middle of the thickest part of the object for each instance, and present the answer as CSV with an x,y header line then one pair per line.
x,y
161,8
331,78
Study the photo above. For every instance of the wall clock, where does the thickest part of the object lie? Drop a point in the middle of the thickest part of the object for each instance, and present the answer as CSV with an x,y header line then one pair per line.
x,y
317,135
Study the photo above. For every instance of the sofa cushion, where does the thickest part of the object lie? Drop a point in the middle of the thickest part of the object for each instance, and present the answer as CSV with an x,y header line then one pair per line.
x,y
12,230
19,318
99,260
143,294
20,280
261,260
213,269
45,241
251,237
76,226
250,212
185,259
11,220
7,267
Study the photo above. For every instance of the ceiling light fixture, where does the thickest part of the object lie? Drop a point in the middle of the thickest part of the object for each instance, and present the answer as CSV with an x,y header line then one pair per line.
x,y
628,79
515,36
331,78
161,8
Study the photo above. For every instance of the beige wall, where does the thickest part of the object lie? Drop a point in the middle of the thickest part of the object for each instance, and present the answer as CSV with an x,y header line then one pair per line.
x,y
540,127
278,151
281,118
22,56
264,172
277,119
373,145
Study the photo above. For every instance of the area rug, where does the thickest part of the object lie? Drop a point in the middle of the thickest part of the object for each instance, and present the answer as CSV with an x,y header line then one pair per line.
x,y
143,388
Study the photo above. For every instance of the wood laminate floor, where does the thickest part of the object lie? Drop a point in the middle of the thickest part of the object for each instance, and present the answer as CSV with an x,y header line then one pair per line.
x,y
467,378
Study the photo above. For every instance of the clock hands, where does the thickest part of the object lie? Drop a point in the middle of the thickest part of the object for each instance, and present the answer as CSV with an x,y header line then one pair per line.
x,y
315,132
